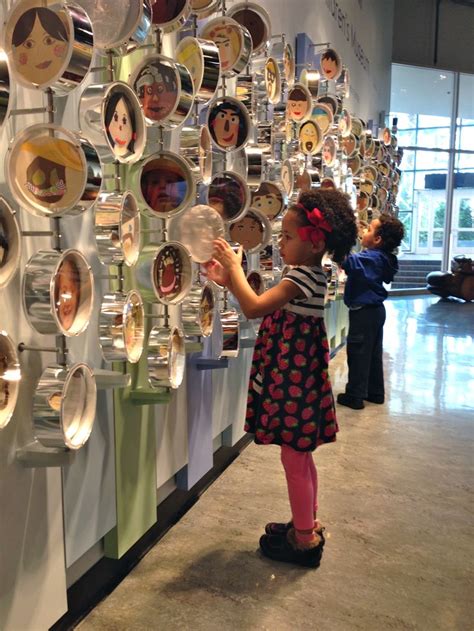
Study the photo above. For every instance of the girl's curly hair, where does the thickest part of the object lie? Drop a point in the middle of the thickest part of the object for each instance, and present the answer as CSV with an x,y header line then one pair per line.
x,y
337,210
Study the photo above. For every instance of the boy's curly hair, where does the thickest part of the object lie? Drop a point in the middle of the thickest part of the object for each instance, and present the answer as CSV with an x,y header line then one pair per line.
x,y
337,210
391,230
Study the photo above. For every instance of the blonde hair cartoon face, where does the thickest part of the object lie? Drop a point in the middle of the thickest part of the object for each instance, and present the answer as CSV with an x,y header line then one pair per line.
x,y
190,55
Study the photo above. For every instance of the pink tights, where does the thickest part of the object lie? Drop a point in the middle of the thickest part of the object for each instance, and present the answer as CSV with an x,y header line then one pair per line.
x,y
302,480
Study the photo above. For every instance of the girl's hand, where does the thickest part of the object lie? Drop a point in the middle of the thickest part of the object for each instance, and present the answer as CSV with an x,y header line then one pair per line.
x,y
226,255
216,272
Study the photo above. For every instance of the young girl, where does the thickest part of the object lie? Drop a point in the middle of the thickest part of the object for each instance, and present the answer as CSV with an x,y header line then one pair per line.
x,y
290,401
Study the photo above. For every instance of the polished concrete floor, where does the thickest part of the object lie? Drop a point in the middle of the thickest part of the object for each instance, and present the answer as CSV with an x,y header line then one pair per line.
x,y
395,495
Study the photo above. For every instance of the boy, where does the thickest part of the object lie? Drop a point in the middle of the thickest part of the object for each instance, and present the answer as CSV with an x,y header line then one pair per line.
x,y
364,295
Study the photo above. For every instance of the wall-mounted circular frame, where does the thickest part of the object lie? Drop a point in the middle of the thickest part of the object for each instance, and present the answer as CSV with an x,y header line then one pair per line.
x,y
111,118
270,199
165,90
164,272
299,103
129,27
166,357
6,96
201,58
332,102
350,145
290,170
386,137
229,123
10,243
230,333
330,64
204,8
10,376
49,46
170,16
311,78
122,327
329,151
323,115
310,138
234,42
308,180
229,194
199,226
355,164
370,172
254,18
64,406
328,183
197,312
272,80
344,124
253,231
58,292
117,228
52,172
256,281
164,183
367,186
196,146
358,127
363,201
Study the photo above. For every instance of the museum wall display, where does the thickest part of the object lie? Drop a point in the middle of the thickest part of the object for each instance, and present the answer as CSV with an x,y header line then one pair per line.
x,y
131,136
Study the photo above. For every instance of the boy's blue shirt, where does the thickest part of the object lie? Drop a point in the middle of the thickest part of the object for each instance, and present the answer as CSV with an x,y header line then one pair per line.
x,y
366,272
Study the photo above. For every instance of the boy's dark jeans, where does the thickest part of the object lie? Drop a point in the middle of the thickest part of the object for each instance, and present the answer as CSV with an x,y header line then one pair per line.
x,y
364,352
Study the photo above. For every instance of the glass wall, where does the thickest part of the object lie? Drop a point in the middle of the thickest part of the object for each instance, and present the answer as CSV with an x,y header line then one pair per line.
x,y
435,119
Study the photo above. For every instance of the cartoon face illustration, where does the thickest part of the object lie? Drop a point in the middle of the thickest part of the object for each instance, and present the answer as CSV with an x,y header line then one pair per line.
x,y
268,200
362,201
228,125
330,64
120,125
67,293
387,136
328,183
205,154
349,145
163,185
329,151
157,89
323,116
344,123
287,178
254,23
130,229
272,80
189,54
52,171
248,231
309,137
164,11
354,165
168,272
206,310
4,384
133,328
40,45
255,281
196,5
226,195
298,105
4,243
289,64
228,38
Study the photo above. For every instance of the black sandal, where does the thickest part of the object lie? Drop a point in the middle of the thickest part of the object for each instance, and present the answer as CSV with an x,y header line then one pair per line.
x,y
280,548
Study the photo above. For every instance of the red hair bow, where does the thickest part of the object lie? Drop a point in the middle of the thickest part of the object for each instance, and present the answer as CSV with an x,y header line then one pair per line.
x,y
317,231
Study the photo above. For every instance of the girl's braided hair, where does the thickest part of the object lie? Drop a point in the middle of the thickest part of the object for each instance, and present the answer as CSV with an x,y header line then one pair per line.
x,y
336,209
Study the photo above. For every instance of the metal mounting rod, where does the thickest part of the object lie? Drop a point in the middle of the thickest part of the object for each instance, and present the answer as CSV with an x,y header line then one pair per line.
x,y
31,110
43,349
37,233
320,44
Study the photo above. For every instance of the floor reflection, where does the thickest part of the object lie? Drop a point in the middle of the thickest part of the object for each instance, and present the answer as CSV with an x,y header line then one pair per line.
x,y
429,355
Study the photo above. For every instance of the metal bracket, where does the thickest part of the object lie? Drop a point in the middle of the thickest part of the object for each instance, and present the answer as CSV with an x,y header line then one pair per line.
x,y
35,455
203,363
148,396
106,379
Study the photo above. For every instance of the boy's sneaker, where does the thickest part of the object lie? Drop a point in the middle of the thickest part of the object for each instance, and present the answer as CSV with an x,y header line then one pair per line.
x,y
350,401
375,398
287,550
